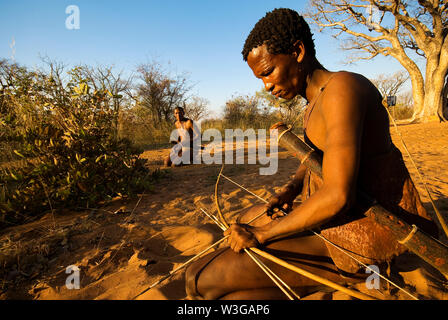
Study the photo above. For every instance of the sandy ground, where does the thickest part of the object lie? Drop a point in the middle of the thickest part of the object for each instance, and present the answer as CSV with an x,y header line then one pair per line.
x,y
122,248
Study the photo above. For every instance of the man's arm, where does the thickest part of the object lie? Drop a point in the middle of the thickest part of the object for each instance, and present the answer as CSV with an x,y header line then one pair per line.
x,y
343,115
296,183
285,198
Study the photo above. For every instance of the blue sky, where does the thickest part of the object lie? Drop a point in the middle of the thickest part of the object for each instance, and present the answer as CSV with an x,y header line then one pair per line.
x,y
203,38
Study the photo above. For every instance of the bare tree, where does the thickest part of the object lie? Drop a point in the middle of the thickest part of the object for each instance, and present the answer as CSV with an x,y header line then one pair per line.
x,y
160,92
390,85
116,83
402,29
291,111
241,110
405,99
196,108
53,75
9,75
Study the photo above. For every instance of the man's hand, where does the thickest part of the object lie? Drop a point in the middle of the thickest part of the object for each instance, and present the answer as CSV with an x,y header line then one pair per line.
x,y
282,201
241,236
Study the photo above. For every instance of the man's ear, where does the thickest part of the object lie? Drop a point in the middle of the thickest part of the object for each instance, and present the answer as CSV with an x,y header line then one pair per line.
x,y
299,51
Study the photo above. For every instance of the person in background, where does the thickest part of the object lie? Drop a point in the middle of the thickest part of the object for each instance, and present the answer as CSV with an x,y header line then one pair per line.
x,y
187,133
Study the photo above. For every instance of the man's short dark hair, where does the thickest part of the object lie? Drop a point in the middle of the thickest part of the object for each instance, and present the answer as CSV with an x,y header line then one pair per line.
x,y
279,29
180,109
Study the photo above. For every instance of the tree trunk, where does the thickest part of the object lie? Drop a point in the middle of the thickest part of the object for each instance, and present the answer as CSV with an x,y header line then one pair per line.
x,y
443,110
417,80
418,94
431,104
428,94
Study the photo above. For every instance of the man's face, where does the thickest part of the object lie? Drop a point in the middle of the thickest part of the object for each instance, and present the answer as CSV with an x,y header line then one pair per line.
x,y
280,73
178,114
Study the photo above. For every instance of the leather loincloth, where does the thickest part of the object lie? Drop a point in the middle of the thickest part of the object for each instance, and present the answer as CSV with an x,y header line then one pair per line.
x,y
387,179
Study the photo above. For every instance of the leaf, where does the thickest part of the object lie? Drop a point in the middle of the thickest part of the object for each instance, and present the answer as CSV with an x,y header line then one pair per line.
x,y
14,176
84,88
19,154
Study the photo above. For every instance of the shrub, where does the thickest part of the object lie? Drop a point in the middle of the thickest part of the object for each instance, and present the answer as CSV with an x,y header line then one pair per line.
x,y
70,154
248,112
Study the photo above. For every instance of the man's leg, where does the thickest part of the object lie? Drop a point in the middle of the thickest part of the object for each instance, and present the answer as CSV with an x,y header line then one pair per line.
x,y
235,276
225,274
167,161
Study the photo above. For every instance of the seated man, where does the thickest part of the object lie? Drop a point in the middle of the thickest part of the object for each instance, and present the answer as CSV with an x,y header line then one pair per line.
x,y
347,125
187,132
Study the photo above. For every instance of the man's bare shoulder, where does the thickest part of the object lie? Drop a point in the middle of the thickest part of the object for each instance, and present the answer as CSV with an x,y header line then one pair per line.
x,y
347,97
349,89
351,82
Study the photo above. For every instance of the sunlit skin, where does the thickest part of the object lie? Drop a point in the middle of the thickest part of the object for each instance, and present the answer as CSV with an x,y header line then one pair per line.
x,y
335,126
185,123
348,122
281,73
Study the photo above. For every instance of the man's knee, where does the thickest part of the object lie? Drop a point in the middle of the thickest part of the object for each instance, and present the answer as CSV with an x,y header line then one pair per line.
x,y
209,288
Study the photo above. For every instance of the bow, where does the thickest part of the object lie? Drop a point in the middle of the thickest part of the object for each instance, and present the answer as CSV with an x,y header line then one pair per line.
x,y
220,215
265,255
296,269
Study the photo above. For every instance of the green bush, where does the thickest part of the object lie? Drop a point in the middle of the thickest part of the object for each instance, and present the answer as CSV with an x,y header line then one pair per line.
x,y
246,112
70,156
143,130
